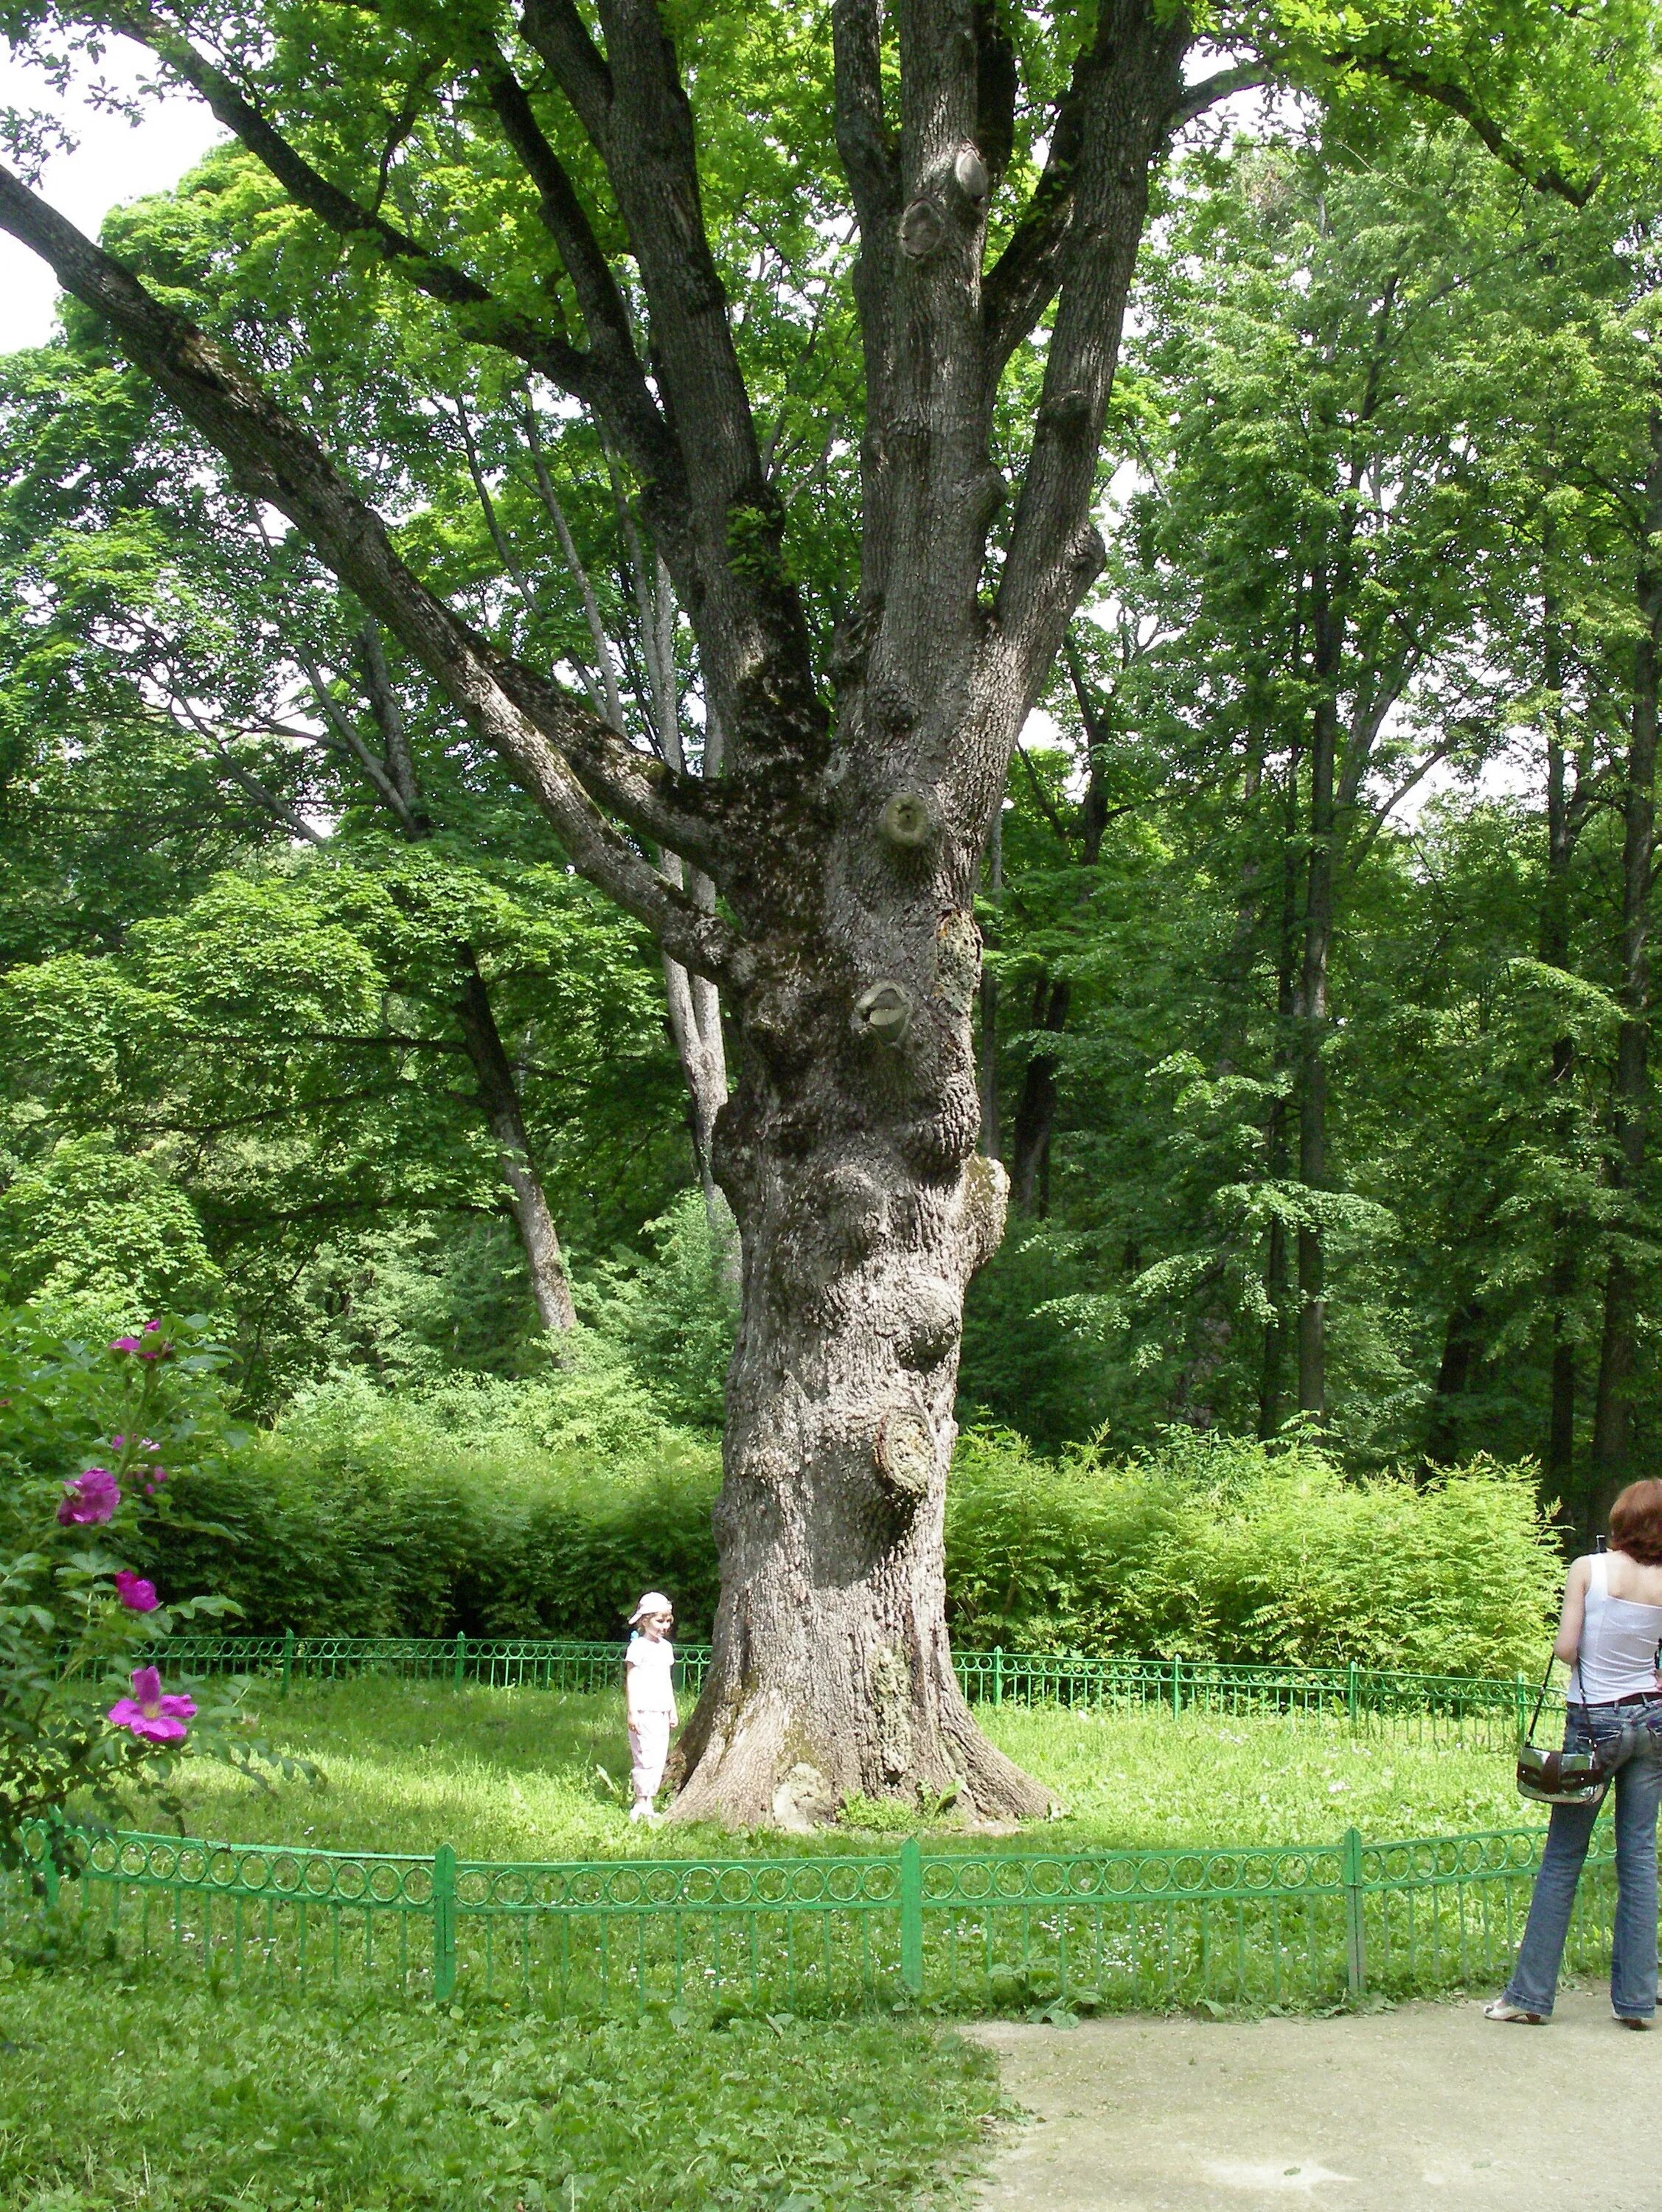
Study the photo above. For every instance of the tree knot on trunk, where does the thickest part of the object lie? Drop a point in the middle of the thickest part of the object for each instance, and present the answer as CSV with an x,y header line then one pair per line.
x,y
884,1011
906,1455
922,226
909,819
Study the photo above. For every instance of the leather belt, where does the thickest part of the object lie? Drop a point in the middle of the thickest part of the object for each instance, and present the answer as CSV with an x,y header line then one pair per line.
x,y
1633,1698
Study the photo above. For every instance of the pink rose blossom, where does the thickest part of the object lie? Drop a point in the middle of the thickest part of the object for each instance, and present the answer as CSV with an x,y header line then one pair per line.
x,y
90,1499
135,1593
124,1344
152,1717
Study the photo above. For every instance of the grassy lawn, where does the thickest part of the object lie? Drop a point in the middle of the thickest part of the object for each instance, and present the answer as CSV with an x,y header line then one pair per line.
x,y
139,2092
131,2088
537,1774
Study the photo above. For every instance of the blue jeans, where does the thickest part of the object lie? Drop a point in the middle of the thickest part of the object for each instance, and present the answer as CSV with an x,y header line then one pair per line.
x,y
1629,1738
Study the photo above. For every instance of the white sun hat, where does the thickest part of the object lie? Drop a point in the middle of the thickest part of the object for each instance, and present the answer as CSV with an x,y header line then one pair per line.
x,y
653,1601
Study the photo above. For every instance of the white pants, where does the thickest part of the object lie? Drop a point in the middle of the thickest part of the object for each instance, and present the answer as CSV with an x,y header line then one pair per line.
x,y
648,1747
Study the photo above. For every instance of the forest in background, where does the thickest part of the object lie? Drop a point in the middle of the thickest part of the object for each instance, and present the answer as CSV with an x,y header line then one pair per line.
x,y
1315,1016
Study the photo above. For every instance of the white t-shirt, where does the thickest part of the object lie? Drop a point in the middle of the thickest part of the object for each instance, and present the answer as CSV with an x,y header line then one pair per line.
x,y
649,1660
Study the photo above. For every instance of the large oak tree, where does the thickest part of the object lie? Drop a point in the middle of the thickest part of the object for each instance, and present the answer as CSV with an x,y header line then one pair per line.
x,y
998,162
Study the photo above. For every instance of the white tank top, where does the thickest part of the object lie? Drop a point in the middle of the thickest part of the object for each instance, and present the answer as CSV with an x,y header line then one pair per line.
x,y
1619,1638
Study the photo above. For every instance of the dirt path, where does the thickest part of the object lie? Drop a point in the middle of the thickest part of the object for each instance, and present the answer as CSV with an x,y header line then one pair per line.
x,y
1429,2108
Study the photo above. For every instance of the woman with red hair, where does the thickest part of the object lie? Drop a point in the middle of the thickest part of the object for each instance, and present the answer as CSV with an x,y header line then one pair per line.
x,y
1609,1630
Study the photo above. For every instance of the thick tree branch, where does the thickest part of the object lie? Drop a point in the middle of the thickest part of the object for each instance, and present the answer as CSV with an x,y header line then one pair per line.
x,y
1543,176
1222,84
753,641
1022,283
554,30
1130,86
480,316
627,406
863,141
531,725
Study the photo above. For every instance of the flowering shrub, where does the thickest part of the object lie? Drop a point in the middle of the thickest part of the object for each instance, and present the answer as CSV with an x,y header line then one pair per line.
x,y
85,1718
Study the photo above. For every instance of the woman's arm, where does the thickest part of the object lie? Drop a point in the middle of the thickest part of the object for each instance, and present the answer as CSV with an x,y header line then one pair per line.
x,y
1575,1605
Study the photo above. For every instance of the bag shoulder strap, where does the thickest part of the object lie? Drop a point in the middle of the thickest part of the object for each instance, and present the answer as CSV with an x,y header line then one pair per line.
x,y
1540,1699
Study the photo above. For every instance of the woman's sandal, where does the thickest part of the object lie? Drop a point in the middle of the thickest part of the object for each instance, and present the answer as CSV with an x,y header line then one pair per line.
x,y
1503,2009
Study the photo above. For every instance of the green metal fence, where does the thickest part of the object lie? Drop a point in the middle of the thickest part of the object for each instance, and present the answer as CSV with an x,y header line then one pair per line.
x,y
957,1930
1463,1710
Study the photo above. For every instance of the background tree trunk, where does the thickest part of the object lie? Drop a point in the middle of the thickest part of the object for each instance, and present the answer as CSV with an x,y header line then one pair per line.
x,y
551,1286
1565,812
1613,1411
1312,1007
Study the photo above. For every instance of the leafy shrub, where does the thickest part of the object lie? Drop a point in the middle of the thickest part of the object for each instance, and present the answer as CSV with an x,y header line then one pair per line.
x,y
545,1507
94,1447
539,1508
1213,1547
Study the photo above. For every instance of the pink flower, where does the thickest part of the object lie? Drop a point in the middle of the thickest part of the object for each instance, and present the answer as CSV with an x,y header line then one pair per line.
x,y
152,1717
124,1344
91,1498
135,1593
159,1475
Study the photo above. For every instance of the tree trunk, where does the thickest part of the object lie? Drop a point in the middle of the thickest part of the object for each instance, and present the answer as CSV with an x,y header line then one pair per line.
x,y
1278,1290
1613,1410
1036,1108
1453,1379
1563,823
499,1095
1313,1012
849,1155
991,1135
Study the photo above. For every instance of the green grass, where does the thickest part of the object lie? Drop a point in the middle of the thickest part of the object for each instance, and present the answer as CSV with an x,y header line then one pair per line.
x,y
137,2089
132,2092
536,1774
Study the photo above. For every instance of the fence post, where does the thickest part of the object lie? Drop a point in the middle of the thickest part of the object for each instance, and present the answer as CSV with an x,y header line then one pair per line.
x,y
287,1658
1351,1700
911,1914
1176,1686
1356,1939
461,1657
998,1674
444,1924
49,1876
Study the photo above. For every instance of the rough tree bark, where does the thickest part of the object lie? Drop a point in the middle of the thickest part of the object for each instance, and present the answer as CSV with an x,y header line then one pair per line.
x,y
843,848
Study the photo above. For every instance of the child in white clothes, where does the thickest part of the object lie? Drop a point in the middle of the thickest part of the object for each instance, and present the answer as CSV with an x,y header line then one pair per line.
x,y
649,1695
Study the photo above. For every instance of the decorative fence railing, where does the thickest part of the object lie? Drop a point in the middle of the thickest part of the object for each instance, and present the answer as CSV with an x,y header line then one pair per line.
x,y
1452,1708
955,1930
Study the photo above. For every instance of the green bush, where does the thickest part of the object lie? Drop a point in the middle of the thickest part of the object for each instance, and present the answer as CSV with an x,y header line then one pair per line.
x,y
543,1507
537,1508
1216,1548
